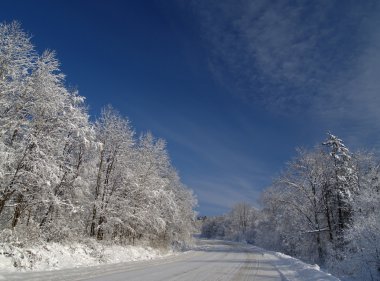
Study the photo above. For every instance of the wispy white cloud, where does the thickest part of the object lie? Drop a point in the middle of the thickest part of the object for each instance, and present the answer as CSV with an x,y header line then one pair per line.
x,y
318,57
352,99
210,145
230,175
220,194
264,48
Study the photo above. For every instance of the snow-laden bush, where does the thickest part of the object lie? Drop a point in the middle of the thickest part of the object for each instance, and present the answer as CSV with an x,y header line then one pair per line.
x,y
14,245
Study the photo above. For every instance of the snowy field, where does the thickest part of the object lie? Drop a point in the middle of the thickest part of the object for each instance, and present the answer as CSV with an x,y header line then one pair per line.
x,y
209,260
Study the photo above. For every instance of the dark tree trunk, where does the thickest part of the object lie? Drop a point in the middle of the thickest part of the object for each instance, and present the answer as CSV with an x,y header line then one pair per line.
x,y
92,229
46,215
18,210
100,234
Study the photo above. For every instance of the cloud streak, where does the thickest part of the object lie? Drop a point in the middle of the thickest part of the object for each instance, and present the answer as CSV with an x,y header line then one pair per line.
x,y
319,59
223,173
352,99
296,56
220,195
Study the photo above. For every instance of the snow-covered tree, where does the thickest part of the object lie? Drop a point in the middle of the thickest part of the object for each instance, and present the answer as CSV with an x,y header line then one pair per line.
x,y
342,186
362,252
298,193
115,138
239,224
17,61
323,208
62,177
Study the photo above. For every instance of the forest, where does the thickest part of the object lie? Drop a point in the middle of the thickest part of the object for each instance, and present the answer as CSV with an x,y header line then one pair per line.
x,y
64,177
323,208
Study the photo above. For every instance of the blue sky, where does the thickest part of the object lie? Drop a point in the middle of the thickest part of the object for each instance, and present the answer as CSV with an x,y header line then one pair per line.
x,y
233,86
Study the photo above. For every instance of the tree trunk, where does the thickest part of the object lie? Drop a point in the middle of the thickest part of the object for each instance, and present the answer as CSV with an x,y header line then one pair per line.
x,y
320,250
97,191
328,218
92,230
18,210
4,200
46,215
100,228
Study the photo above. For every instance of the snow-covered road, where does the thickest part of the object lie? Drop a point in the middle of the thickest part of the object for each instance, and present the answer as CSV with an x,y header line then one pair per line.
x,y
210,260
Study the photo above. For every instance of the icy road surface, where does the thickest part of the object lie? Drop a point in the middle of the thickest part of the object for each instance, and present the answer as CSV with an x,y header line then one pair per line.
x,y
211,260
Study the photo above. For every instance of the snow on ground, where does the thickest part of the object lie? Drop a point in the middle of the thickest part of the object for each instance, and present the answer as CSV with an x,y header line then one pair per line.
x,y
50,256
292,269
289,268
209,260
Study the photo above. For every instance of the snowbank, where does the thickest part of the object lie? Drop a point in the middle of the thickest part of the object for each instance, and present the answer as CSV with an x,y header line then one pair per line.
x,y
292,269
51,256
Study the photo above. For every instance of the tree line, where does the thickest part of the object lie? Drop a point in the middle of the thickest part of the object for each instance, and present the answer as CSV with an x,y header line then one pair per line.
x,y
63,176
323,208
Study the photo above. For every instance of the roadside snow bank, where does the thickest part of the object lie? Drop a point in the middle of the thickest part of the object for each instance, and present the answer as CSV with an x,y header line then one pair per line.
x,y
51,256
293,269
